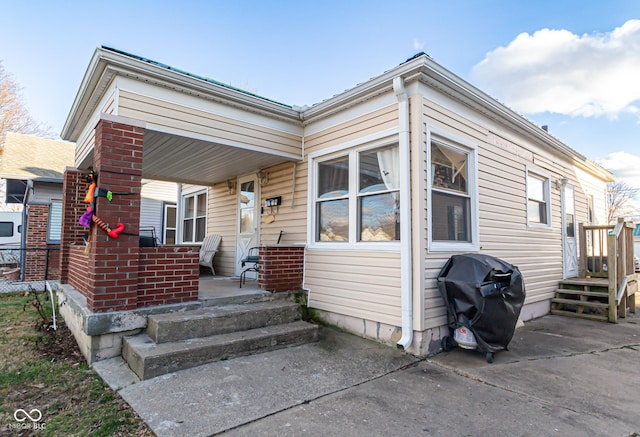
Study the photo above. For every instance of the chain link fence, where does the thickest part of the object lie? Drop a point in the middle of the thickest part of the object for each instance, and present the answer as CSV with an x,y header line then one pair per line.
x,y
28,269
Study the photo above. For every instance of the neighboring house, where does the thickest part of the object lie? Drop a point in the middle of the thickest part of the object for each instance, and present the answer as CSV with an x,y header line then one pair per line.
x,y
33,168
381,183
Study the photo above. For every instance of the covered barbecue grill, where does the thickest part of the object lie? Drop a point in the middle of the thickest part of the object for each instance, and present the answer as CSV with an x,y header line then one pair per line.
x,y
483,296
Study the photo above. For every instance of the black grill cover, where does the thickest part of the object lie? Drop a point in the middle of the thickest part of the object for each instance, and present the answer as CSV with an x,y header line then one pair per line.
x,y
485,294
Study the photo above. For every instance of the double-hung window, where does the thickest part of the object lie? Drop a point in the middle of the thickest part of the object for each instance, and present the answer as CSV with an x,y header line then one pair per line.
x,y
538,204
194,217
452,187
356,197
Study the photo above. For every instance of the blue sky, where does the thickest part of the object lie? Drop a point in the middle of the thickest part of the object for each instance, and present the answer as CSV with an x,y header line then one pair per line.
x,y
301,52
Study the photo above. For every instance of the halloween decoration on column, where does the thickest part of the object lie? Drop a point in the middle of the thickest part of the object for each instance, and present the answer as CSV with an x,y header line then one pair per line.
x,y
89,217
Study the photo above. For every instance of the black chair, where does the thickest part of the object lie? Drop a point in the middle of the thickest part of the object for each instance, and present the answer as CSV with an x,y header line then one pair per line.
x,y
252,258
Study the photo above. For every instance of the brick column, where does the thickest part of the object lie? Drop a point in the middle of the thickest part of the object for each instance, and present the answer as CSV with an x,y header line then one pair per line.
x,y
74,188
113,262
281,268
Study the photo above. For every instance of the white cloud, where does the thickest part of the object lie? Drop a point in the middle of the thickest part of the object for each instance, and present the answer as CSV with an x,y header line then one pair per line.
x,y
417,45
558,71
625,166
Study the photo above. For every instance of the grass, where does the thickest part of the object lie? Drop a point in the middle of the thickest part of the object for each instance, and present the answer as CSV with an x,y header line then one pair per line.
x,y
43,369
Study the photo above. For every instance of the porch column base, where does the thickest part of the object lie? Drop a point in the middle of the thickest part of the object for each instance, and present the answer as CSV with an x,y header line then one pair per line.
x,y
99,335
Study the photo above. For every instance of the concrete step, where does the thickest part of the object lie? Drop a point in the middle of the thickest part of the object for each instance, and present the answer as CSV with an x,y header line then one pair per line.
x,y
205,322
148,359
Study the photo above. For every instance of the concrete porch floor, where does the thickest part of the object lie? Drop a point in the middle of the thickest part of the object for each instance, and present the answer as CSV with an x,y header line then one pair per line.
x,y
220,290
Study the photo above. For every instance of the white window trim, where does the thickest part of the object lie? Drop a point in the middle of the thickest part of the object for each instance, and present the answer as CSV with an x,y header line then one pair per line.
x,y
51,240
352,149
192,192
456,142
547,191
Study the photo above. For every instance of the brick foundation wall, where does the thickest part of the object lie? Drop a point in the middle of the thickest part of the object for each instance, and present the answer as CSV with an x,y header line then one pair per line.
x,y
281,268
167,275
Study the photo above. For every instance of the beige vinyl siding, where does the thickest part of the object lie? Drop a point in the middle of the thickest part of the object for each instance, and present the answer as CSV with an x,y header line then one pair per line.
x,y
504,233
86,143
377,121
292,220
84,146
174,116
221,219
153,195
357,283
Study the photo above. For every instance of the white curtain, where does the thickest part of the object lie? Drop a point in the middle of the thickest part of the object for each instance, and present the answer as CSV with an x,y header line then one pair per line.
x,y
389,163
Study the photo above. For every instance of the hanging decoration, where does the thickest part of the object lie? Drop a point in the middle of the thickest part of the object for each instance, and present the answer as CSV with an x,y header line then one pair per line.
x,y
89,217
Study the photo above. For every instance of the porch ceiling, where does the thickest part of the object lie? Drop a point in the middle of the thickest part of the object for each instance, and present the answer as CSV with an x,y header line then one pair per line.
x,y
179,159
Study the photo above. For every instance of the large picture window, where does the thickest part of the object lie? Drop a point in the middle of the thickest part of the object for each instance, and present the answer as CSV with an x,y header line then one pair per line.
x,y
453,201
194,221
357,196
538,205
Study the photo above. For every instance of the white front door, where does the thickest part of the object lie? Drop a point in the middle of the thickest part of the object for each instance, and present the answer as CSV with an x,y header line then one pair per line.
x,y
248,219
570,246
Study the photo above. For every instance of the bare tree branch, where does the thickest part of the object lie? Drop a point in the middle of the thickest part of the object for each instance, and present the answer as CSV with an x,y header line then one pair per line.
x,y
14,115
620,198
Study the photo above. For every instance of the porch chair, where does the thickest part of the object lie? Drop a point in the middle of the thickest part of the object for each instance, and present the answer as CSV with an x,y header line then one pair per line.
x,y
251,258
254,259
208,250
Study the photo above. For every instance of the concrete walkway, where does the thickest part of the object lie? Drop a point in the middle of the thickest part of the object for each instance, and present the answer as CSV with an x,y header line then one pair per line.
x,y
561,377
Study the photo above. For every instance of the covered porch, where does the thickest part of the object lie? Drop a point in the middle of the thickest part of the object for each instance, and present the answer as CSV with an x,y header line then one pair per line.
x,y
132,119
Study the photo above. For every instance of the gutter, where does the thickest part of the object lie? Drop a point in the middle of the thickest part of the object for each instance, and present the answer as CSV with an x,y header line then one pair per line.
x,y
406,284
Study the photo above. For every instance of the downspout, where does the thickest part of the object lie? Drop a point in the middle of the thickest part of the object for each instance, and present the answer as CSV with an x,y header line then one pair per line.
x,y
406,285
179,223
23,234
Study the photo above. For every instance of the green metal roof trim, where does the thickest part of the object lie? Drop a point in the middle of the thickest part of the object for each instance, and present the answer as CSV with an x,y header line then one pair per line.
x,y
195,76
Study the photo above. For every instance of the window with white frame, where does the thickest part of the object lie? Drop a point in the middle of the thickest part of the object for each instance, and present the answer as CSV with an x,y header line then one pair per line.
x,y
194,217
538,204
54,230
452,184
357,196
170,223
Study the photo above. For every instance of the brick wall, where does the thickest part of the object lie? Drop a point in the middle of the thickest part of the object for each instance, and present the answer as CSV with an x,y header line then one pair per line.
x,y
167,275
77,263
113,262
36,244
36,267
74,189
281,268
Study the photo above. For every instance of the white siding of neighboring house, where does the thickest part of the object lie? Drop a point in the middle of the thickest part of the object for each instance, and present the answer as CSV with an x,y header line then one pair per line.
x,y
153,196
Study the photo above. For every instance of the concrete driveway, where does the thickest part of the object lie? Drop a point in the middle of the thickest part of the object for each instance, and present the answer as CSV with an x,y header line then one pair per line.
x,y
561,376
